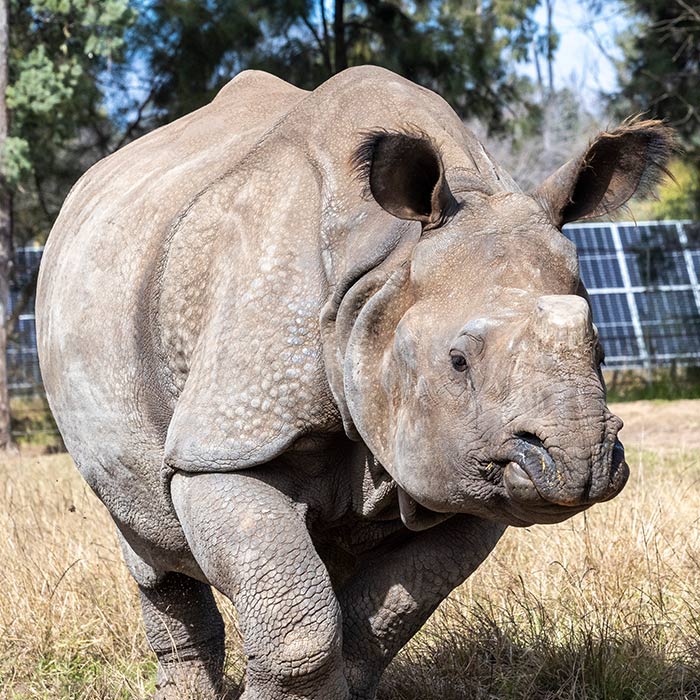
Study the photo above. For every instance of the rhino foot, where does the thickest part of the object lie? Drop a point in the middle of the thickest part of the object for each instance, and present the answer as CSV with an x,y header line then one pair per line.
x,y
189,680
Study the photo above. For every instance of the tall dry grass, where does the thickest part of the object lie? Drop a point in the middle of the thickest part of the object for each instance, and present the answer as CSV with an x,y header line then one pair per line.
x,y
605,606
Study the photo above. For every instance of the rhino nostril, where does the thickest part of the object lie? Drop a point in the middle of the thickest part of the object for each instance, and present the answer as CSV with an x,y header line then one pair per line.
x,y
618,456
531,439
619,472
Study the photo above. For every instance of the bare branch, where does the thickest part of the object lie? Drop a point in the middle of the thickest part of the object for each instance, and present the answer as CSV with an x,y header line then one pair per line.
x,y
322,46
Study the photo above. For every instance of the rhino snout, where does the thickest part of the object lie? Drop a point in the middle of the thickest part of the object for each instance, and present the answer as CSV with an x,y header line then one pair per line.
x,y
533,478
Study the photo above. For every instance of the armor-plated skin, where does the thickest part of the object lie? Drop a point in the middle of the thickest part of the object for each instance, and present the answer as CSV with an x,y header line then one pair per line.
x,y
317,350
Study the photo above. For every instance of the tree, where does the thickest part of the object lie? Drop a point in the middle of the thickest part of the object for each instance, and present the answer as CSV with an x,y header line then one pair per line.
x,y
5,233
545,139
660,73
467,51
60,55
53,124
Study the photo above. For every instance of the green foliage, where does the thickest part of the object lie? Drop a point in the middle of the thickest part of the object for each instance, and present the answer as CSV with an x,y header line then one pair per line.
x,y
60,50
15,160
41,85
659,74
466,51
676,196
34,424
662,384
676,199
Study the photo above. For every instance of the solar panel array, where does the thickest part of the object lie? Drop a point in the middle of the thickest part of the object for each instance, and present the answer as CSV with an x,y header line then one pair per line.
x,y
642,280
643,284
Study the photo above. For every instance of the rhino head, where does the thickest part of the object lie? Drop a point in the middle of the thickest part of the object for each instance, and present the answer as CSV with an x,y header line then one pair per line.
x,y
472,369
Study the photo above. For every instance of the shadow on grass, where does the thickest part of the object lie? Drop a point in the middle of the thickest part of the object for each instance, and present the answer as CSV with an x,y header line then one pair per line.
x,y
454,659
487,663
460,659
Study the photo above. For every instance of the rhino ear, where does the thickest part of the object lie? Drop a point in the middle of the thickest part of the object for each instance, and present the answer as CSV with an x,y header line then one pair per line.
x,y
404,173
618,164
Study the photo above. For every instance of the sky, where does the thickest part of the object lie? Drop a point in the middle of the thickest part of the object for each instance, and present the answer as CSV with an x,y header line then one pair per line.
x,y
584,42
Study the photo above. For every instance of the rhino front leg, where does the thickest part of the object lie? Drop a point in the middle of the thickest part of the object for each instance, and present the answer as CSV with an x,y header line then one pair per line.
x,y
391,598
185,630
252,543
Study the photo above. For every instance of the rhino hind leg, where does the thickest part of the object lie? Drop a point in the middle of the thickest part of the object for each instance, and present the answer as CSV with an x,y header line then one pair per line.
x,y
185,630
251,542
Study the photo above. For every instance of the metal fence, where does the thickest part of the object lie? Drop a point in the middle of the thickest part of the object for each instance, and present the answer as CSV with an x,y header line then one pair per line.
x,y
642,280
22,360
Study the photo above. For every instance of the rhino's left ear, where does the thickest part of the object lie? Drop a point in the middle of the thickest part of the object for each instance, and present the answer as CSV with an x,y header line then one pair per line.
x,y
404,173
618,164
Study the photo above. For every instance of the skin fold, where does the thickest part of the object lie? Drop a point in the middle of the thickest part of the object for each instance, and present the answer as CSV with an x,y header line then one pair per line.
x,y
317,350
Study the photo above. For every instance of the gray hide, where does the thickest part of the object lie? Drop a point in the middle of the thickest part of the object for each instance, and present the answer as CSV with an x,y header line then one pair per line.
x,y
317,350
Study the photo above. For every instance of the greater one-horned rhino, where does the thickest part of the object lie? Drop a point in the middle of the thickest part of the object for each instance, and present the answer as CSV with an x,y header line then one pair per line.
x,y
317,350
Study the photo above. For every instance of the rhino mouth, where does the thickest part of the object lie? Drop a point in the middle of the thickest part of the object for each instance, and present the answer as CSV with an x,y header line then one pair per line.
x,y
532,480
415,516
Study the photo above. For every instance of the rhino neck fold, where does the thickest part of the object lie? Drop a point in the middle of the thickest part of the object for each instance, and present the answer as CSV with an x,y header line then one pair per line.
x,y
353,282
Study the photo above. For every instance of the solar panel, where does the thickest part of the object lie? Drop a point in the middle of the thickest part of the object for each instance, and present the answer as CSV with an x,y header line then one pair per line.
x,y
695,257
600,270
642,280
643,283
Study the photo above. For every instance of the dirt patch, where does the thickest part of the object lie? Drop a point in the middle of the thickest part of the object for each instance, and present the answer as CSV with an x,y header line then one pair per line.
x,y
660,424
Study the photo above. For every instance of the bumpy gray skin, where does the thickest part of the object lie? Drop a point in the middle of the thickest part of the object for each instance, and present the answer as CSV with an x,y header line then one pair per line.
x,y
317,350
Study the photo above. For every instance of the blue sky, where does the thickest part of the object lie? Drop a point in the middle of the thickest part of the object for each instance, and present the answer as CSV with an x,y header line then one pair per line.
x,y
584,42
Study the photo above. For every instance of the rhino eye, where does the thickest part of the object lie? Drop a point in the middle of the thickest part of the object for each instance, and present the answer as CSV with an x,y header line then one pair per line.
x,y
459,362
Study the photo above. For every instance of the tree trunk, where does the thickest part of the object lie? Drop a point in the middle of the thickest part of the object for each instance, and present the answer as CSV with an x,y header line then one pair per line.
x,y
550,48
341,51
5,236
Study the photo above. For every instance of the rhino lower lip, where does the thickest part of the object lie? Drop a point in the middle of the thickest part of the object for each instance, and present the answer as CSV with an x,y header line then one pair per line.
x,y
543,515
517,475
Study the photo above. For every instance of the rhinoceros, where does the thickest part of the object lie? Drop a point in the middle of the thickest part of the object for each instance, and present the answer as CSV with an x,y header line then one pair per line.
x,y
317,350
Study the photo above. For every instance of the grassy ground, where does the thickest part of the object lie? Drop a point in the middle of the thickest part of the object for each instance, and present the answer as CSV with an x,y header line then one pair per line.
x,y
605,606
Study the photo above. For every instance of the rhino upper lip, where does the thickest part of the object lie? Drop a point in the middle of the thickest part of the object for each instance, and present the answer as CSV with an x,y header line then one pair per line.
x,y
533,463
521,453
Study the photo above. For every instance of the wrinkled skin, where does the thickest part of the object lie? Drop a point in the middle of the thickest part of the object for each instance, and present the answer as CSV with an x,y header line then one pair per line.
x,y
317,350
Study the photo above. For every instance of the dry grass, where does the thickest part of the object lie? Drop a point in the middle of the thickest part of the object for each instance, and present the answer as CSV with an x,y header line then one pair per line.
x,y
605,606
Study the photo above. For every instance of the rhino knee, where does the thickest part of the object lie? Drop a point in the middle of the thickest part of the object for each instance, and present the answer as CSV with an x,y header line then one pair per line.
x,y
308,653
